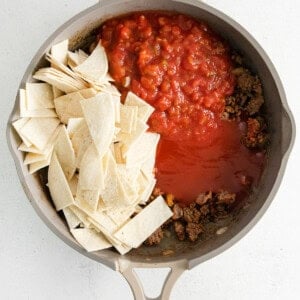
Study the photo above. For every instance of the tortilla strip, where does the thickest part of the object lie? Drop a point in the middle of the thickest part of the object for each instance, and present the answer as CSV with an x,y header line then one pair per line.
x,y
145,109
72,220
99,114
128,116
91,178
121,215
56,92
40,111
117,104
122,249
32,149
82,56
139,228
58,185
138,209
129,174
107,87
48,148
105,159
88,198
18,125
39,131
72,59
129,182
88,93
147,191
60,51
148,166
142,182
140,151
59,66
68,106
95,67
91,175
39,96
33,167
73,184
59,80
81,215
108,233
81,140
108,78
90,239
114,193
46,151
76,58
117,152
31,158
130,140
65,153
104,223
74,125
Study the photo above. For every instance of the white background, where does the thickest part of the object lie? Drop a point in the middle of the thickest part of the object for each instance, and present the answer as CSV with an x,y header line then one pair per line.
x,y
35,264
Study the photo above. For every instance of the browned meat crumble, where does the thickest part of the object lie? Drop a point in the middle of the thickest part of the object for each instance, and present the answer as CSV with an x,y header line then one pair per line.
x,y
246,104
256,136
155,238
189,222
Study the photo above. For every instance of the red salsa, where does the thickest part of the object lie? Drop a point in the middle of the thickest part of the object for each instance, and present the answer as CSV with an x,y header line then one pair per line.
x,y
184,71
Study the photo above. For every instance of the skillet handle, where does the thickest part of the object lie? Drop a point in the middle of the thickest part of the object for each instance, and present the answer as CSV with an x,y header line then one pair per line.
x,y
126,268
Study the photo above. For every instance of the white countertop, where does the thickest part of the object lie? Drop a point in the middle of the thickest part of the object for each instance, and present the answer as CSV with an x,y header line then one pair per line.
x,y
35,264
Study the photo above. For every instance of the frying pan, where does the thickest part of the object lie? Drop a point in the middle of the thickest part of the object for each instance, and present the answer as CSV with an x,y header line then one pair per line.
x,y
178,256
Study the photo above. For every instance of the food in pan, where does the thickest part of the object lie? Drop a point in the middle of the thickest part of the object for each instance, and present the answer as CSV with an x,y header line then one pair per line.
x,y
159,126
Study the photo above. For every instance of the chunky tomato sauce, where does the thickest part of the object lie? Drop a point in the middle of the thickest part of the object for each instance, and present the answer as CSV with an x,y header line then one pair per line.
x,y
183,69
176,64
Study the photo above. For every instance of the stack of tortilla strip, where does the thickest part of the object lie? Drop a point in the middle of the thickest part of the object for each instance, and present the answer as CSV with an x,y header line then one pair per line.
x,y
100,155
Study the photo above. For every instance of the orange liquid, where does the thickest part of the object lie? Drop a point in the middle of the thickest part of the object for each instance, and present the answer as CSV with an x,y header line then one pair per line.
x,y
218,162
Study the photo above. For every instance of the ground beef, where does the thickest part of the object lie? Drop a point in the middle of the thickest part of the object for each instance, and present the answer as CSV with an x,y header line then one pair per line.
x,y
221,212
167,223
204,210
155,237
244,80
203,198
236,58
256,136
191,213
247,98
245,104
177,212
254,105
179,230
193,230
225,197
190,221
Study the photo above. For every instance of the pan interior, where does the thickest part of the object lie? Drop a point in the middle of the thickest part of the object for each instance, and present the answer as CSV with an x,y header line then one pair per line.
x,y
81,29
